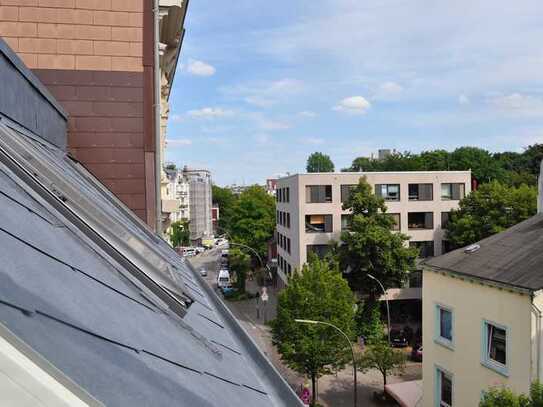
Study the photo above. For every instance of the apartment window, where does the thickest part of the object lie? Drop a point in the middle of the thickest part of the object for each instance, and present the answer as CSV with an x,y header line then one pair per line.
x,y
389,192
288,245
495,347
289,269
319,249
452,191
444,326
445,216
288,220
421,192
346,192
278,217
420,220
397,221
446,246
318,193
318,223
346,222
444,382
287,195
426,249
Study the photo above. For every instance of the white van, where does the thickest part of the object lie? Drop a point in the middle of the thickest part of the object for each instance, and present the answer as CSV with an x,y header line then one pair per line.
x,y
223,280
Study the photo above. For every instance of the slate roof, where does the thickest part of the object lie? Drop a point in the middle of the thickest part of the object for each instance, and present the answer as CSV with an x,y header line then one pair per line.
x,y
86,285
513,257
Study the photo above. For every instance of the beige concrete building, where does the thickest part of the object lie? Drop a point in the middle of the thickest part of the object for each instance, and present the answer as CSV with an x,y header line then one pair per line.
x,y
482,314
310,214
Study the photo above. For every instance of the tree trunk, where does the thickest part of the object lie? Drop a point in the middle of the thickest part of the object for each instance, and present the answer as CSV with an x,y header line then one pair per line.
x,y
313,389
384,381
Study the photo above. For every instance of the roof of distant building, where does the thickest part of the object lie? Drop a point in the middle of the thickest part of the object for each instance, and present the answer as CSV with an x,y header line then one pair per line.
x,y
513,257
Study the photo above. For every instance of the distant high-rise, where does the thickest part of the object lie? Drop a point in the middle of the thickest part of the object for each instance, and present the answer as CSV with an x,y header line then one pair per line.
x,y
200,203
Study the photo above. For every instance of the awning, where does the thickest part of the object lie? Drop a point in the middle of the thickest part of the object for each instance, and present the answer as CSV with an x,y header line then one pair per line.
x,y
407,394
394,294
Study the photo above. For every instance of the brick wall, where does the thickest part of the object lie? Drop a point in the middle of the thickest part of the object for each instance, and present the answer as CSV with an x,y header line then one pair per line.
x,y
89,53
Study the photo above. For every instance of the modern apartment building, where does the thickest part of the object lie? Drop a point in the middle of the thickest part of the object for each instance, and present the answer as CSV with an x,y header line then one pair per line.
x,y
111,65
482,317
175,198
200,204
310,213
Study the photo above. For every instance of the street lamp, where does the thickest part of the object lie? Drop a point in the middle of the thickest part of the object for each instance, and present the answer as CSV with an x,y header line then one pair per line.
x,y
309,321
386,299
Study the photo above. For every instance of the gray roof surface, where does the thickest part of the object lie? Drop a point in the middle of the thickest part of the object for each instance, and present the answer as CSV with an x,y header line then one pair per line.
x,y
68,298
513,257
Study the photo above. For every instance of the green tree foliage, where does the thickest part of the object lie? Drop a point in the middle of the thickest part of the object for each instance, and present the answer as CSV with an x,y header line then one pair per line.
x,y
368,322
252,220
317,293
371,247
504,397
382,357
179,233
225,199
319,162
491,209
506,167
240,263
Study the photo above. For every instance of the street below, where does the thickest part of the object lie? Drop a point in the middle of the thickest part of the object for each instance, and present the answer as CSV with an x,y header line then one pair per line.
x,y
333,390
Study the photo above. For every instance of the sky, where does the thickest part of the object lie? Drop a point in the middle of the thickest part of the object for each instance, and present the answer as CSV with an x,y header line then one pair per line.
x,y
262,84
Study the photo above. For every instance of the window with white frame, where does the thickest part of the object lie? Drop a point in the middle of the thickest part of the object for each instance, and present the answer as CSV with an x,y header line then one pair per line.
x,y
495,346
389,192
444,388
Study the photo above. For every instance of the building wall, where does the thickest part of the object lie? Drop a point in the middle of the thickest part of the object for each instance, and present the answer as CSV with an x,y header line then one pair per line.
x,y
471,303
96,58
200,198
298,208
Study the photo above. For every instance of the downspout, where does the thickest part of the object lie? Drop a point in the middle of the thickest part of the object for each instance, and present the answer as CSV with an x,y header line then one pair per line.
x,y
539,316
158,167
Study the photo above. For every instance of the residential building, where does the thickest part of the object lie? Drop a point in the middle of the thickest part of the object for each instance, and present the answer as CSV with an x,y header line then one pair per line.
x,y
482,316
113,76
175,198
96,309
215,216
271,186
310,212
200,206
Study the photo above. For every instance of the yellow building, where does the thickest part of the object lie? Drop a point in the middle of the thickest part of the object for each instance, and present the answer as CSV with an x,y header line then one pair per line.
x,y
482,310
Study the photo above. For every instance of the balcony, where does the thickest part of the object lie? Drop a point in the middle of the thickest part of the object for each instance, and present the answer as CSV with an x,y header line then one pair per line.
x,y
170,205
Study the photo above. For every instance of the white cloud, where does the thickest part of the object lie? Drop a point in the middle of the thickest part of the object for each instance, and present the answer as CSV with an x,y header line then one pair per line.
x,y
262,138
312,140
517,104
388,91
264,93
210,113
200,68
307,114
179,142
353,105
177,118
274,125
463,100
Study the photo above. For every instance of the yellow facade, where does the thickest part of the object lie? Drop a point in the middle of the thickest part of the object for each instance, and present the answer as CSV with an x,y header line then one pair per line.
x,y
472,303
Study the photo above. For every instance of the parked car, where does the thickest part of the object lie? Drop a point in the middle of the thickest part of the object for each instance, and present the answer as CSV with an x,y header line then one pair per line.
x,y
398,338
223,279
203,272
416,353
199,249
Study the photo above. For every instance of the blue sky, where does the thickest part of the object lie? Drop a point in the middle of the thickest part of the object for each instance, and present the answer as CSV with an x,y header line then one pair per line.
x,y
262,84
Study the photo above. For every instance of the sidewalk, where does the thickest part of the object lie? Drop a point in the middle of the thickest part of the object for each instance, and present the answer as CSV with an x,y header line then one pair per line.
x,y
334,390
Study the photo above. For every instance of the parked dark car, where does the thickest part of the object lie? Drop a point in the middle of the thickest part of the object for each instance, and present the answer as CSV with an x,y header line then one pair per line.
x,y
416,353
398,338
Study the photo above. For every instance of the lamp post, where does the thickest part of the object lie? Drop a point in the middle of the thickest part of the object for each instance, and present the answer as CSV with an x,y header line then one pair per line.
x,y
386,299
311,322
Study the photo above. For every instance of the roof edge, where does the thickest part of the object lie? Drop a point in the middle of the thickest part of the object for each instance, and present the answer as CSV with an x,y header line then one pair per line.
x,y
14,59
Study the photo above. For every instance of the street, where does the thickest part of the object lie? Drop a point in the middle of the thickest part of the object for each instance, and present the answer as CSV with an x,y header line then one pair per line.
x,y
333,390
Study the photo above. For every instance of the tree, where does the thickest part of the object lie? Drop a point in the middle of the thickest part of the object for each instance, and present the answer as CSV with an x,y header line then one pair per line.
x,y
317,293
240,263
319,162
482,164
382,357
371,247
225,199
180,233
491,209
504,397
252,219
